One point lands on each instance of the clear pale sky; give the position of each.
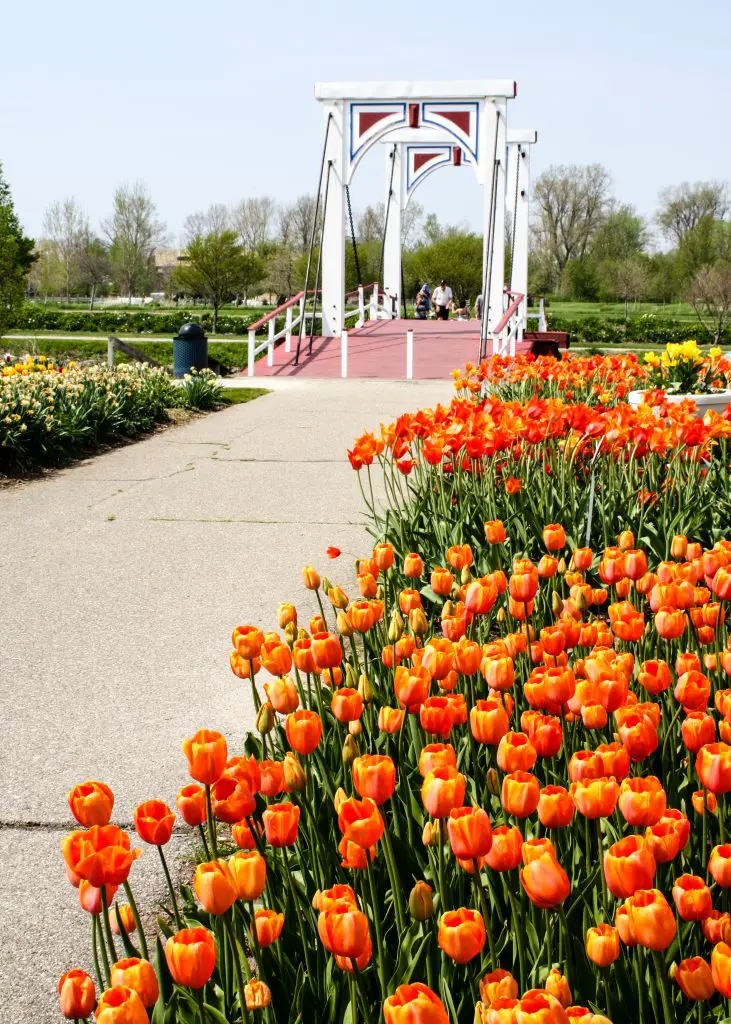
(212, 102)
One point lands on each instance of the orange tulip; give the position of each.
(438, 657)
(717, 927)
(639, 736)
(326, 650)
(206, 753)
(698, 730)
(654, 676)
(489, 721)
(651, 920)
(343, 929)
(595, 798)
(642, 800)
(302, 655)
(154, 822)
(695, 978)
(554, 537)
(495, 531)
(248, 641)
(125, 913)
(101, 855)
(281, 824)
(269, 925)
(360, 822)
(411, 686)
(304, 731)
(516, 753)
(282, 694)
(545, 732)
(443, 789)
(242, 835)
(539, 1007)
(90, 897)
(383, 556)
(374, 776)
(436, 755)
(586, 764)
(602, 945)
(461, 934)
(390, 720)
(191, 956)
(346, 705)
(138, 975)
(470, 833)
(191, 804)
(215, 886)
(354, 856)
(692, 898)
(120, 1006)
(713, 767)
(498, 984)
(544, 880)
(555, 807)
(615, 760)
(272, 781)
(91, 803)
(521, 792)
(414, 1004)
(436, 716)
(719, 865)
(232, 799)
(76, 994)
(703, 800)
(413, 566)
(557, 986)
(628, 867)
(498, 672)
(249, 870)
(506, 850)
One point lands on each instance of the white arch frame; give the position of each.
(360, 114)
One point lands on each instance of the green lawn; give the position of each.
(237, 396)
(615, 310)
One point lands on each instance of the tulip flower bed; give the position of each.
(489, 786)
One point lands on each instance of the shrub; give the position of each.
(645, 329)
(39, 318)
(200, 390)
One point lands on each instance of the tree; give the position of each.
(456, 258)
(17, 256)
(134, 233)
(371, 223)
(571, 203)
(302, 214)
(94, 267)
(216, 218)
(705, 243)
(710, 296)
(216, 266)
(65, 225)
(623, 235)
(683, 206)
(627, 279)
(46, 276)
(254, 219)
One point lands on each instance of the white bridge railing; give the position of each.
(292, 320)
(508, 332)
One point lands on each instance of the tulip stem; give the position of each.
(396, 889)
(363, 995)
(296, 911)
(205, 841)
(600, 857)
(518, 934)
(377, 922)
(96, 942)
(171, 888)
(721, 824)
(353, 1000)
(211, 823)
(704, 828)
(106, 925)
(201, 1005)
(661, 982)
(444, 905)
(569, 966)
(137, 920)
(485, 913)
(255, 937)
(237, 967)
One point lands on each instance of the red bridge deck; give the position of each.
(378, 350)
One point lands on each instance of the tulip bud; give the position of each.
(396, 627)
(265, 719)
(365, 688)
(343, 623)
(455, 594)
(350, 677)
(501, 616)
(493, 782)
(355, 728)
(294, 775)
(290, 634)
(465, 576)
(421, 904)
(312, 578)
(286, 614)
(316, 901)
(673, 969)
(556, 603)
(379, 592)
(418, 621)
(350, 750)
(338, 598)
(426, 834)
(302, 633)
(326, 584)
(340, 797)
(561, 566)
(447, 609)
(481, 1012)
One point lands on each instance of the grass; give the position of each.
(238, 396)
(615, 310)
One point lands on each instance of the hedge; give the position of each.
(36, 318)
(647, 329)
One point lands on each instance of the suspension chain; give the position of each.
(352, 235)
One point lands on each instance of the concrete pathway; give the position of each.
(120, 582)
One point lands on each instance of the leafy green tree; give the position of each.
(579, 279)
(17, 256)
(455, 258)
(622, 235)
(216, 267)
(683, 206)
(702, 246)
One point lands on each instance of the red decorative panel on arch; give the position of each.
(460, 119)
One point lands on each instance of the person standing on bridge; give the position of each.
(442, 298)
(422, 305)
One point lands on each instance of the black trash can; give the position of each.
(190, 350)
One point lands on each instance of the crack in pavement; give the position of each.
(70, 826)
(257, 522)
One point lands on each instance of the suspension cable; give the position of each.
(490, 230)
(312, 240)
(388, 207)
(491, 243)
(319, 257)
(403, 285)
(352, 236)
(515, 217)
